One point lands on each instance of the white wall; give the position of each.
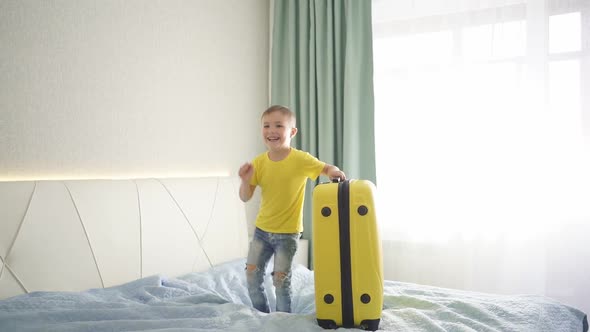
(130, 88)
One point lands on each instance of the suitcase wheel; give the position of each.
(327, 324)
(370, 324)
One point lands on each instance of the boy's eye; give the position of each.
(266, 126)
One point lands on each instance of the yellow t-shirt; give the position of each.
(283, 189)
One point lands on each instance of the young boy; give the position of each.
(282, 174)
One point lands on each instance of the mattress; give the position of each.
(217, 299)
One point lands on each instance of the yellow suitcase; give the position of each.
(348, 262)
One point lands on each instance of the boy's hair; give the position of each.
(284, 110)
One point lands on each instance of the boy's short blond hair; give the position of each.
(284, 110)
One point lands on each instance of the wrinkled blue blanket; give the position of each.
(218, 300)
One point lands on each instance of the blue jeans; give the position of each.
(262, 247)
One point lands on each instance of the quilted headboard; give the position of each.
(78, 234)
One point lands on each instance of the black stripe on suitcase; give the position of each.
(345, 262)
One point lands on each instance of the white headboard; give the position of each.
(78, 234)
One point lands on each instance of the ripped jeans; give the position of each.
(262, 247)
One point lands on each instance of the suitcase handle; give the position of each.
(336, 179)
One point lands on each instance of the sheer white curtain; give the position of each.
(483, 144)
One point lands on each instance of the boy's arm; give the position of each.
(333, 172)
(246, 189)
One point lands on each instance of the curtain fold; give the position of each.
(321, 68)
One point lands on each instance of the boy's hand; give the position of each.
(333, 172)
(246, 171)
(337, 174)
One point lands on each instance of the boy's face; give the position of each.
(277, 130)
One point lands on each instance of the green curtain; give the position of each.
(322, 68)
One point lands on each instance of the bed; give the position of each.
(168, 255)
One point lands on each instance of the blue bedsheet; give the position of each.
(218, 300)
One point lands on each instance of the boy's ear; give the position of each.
(293, 131)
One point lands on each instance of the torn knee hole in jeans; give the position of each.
(251, 268)
(279, 277)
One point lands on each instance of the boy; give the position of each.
(282, 174)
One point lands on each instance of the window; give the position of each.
(479, 129)
(482, 123)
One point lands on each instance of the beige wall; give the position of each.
(131, 88)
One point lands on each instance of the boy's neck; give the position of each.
(279, 154)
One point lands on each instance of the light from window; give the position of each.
(494, 41)
(473, 148)
(424, 48)
(564, 33)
